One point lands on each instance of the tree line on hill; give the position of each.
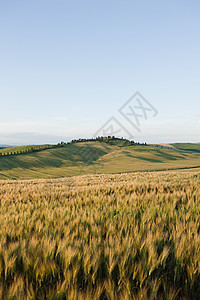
(112, 140)
(26, 149)
(107, 139)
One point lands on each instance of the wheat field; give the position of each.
(125, 236)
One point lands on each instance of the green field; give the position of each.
(9, 151)
(187, 147)
(96, 157)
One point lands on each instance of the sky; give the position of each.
(68, 67)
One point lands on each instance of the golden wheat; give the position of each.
(126, 236)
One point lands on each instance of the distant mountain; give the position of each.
(4, 146)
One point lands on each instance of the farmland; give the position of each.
(9, 151)
(125, 236)
(94, 158)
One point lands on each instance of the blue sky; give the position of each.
(66, 67)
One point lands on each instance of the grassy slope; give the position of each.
(187, 147)
(24, 149)
(96, 157)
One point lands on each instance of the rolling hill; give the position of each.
(97, 157)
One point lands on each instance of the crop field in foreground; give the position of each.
(125, 236)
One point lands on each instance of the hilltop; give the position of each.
(95, 156)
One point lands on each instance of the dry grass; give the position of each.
(128, 236)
